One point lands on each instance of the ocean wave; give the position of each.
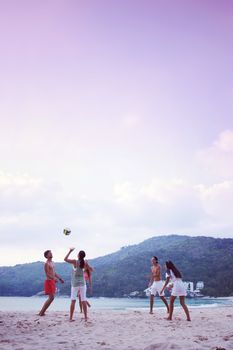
(205, 305)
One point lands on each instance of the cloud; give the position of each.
(176, 206)
(21, 193)
(218, 201)
(29, 204)
(225, 141)
(159, 205)
(34, 211)
(217, 160)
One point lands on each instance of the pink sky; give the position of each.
(116, 120)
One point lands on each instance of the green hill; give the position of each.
(198, 258)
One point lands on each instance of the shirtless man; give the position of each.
(50, 282)
(156, 284)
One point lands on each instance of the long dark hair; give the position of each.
(81, 256)
(171, 266)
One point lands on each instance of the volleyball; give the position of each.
(67, 231)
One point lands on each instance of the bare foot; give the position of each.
(151, 312)
(88, 321)
(71, 320)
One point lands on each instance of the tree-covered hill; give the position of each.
(198, 258)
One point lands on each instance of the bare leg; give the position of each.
(171, 307)
(72, 307)
(46, 304)
(80, 303)
(85, 309)
(165, 302)
(184, 306)
(151, 303)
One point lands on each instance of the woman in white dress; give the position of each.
(174, 276)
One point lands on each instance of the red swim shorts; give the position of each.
(49, 287)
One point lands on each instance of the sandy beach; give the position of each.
(134, 329)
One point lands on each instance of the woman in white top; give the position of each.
(178, 289)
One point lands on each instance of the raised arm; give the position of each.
(66, 258)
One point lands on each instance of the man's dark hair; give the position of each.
(46, 253)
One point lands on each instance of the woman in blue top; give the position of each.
(78, 283)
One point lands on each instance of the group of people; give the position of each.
(173, 282)
(82, 272)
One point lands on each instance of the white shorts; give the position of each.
(178, 289)
(81, 290)
(156, 287)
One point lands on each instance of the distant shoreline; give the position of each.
(61, 303)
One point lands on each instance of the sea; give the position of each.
(62, 303)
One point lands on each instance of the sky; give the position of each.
(116, 122)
